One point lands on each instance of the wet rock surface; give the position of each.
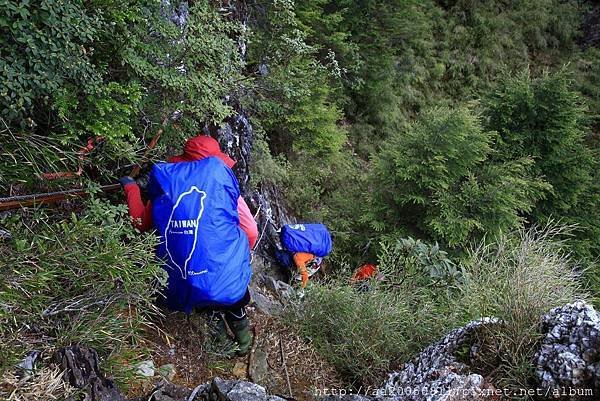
(569, 356)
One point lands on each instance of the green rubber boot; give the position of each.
(217, 328)
(222, 344)
(243, 336)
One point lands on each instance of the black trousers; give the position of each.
(232, 313)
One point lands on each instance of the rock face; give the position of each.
(217, 390)
(235, 136)
(569, 357)
(435, 374)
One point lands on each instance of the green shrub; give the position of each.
(44, 45)
(295, 101)
(588, 83)
(363, 333)
(74, 70)
(417, 54)
(544, 118)
(88, 279)
(265, 168)
(438, 179)
(592, 280)
(433, 261)
(517, 279)
(189, 69)
(360, 334)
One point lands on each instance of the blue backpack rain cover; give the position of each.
(206, 253)
(311, 238)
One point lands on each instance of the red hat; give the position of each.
(199, 147)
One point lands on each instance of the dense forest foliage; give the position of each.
(456, 119)
(444, 120)
(450, 122)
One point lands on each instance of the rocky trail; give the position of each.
(181, 352)
(284, 366)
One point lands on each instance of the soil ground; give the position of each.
(293, 367)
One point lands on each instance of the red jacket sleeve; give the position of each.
(247, 222)
(140, 214)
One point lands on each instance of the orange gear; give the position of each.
(364, 272)
(301, 259)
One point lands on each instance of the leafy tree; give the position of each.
(75, 70)
(542, 118)
(324, 23)
(423, 53)
(588, 83)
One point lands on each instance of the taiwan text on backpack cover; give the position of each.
(310, 238)
(205, 252)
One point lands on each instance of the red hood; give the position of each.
(198, 148)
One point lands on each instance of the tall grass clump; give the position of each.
(592, 280)
(420, 295)
(78, 279)
(518, 278)
(365, 330)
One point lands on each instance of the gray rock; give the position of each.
(265, 304)
(283, 290)
(237, 390)
(436, 375)
(160, 396)
(259, 368)
(570, 360)
(5, 235)
(29, 361)
(145, 368)
(221, 386)
(263, 70)
(245, 391)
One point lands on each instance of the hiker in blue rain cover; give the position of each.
(206, 231)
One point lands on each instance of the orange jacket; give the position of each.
(301, 259)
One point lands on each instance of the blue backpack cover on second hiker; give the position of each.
(311, 238)
(206, 253)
